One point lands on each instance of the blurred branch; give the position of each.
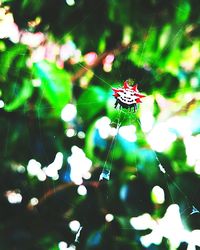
(60, 188)
(99, 60)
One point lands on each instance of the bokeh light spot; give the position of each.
(158, 195)
(82, 190)
(74, 225)
(109, 217)
(70, 2)
(68, 113)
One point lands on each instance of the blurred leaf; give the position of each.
(182, 12)
(126, 150)
(179, 160)
(7, 58)
(102, 42)
(190, 56)
(173, 61)
(112, 113)
(147, 164)
(2, 46)
(164, 36)
(56, 84)
(29, 5)
(91, 102)
(89, 145)
(24, 93)
(146, 52)
(168, 84)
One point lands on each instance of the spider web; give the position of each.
(188, 208)
(106, 173)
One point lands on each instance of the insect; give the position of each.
(127, 96)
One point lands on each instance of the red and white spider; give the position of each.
(127, 96)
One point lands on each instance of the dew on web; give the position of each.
(105, 175)
(78, 234)
(162, 168)
(194, 210)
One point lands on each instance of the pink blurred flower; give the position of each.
(33, 40)
(90, 58)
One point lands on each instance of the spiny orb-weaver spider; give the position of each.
(127, 96)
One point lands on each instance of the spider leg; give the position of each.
(116, 104)
(135, 107)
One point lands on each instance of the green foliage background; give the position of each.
(156, 43)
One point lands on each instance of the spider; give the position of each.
(127, 96)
